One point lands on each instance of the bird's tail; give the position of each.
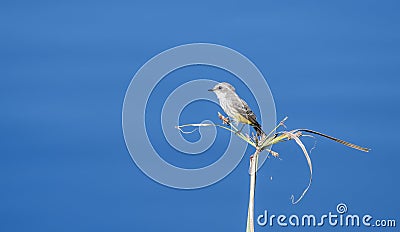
(257, 128)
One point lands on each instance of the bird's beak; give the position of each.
(212, 90)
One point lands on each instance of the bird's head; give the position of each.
(222, 89)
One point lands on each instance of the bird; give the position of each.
(235, 107)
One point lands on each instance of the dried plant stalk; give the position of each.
(250, 211)
(263, 144)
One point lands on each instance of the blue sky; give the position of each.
(332, 66)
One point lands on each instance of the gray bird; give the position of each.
(235, 107)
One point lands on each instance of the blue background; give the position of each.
(332, 66)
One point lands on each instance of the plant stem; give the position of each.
(253, 173)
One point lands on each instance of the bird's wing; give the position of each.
(245, 111)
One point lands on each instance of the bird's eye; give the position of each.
(219, 87)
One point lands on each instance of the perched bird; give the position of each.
(235, 107)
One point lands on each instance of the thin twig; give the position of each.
(336, 140)
(295, 135)
(240, 135)
(281, 123)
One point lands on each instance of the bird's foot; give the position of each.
(225, 120)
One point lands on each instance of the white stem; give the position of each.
(253, 172)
